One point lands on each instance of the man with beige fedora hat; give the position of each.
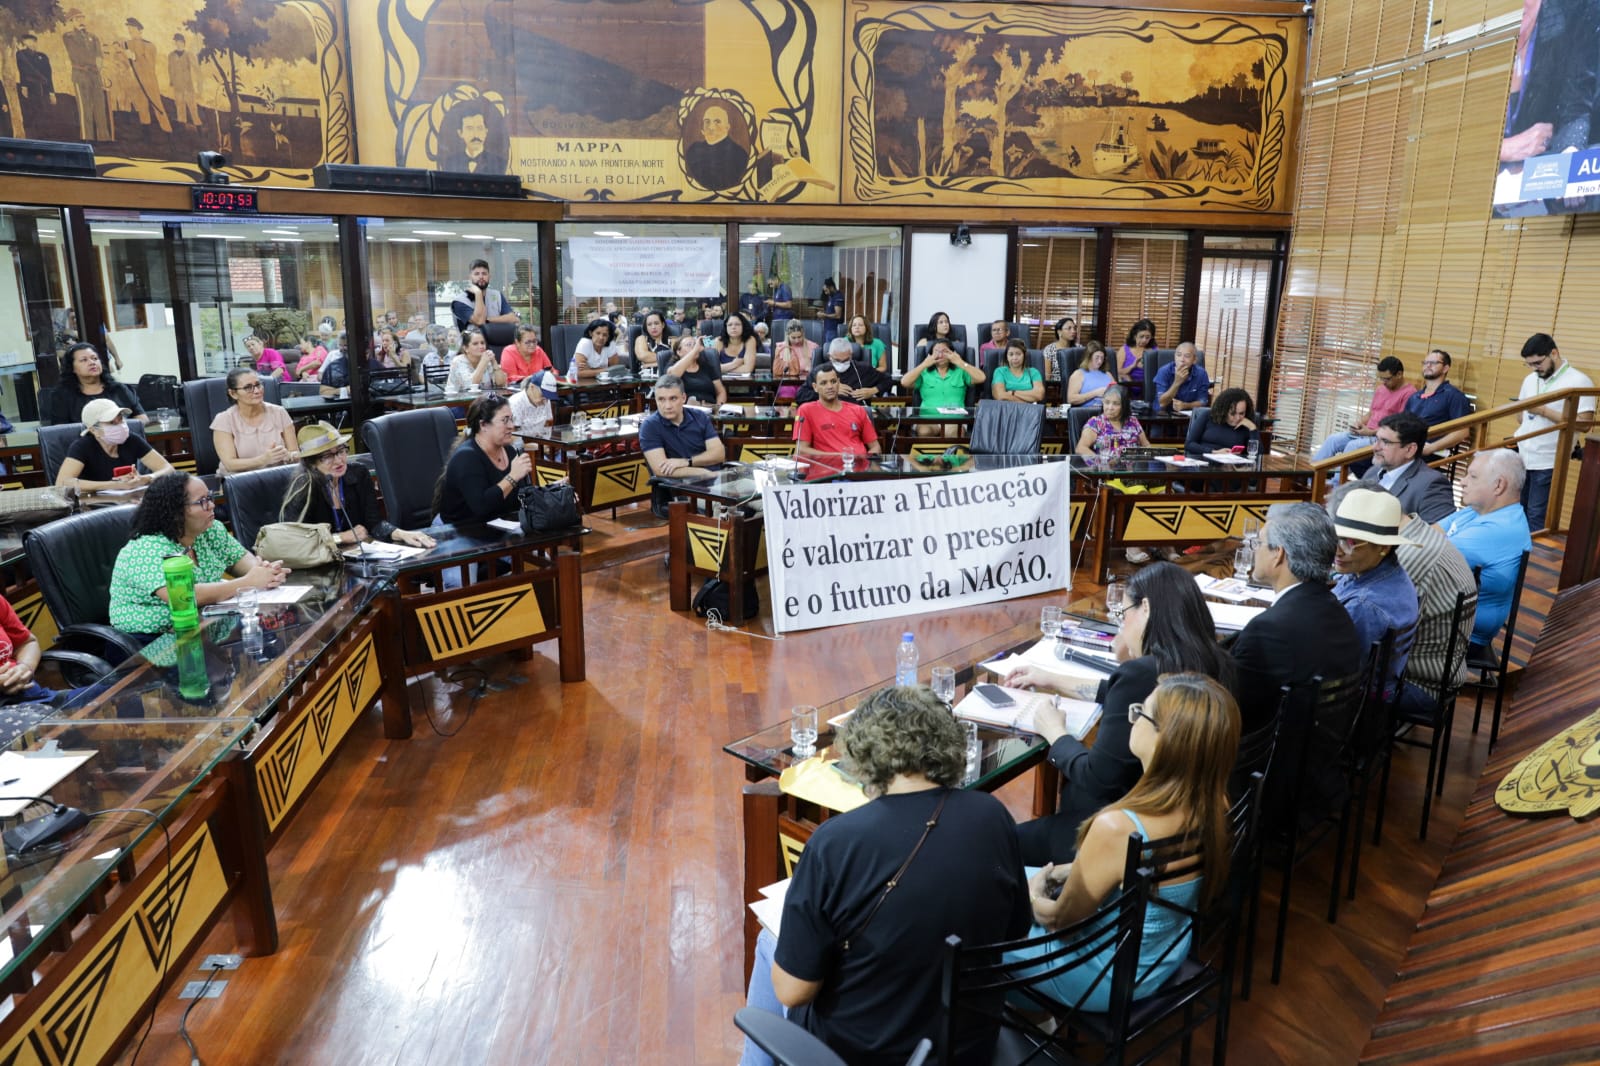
(1369, 581)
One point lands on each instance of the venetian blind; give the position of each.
(1147, 281)
(1056, 279)
(1233, 318)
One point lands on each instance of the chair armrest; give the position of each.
(98, 639)
(75, 668)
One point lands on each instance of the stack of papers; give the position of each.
(731, 409)
(1233, 590)
(1080, 715)
(1231, 617)
(952, 410)
(1086, 665)
(1181, 460)
(383, 551)
(1229, 459)
(769, 908)
(270, 597)
(34, 774)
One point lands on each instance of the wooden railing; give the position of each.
(1571, 430)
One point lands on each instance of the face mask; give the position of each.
(115, 434)
(840, 366)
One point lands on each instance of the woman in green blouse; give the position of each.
(1015, 379)
(872, 349)
(176, 518)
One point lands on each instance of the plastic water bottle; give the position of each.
(905, 661)
(178, 573)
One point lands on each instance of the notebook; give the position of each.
(1080, 715)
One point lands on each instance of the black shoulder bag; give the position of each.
(548, 508)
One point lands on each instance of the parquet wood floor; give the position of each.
(558, 882)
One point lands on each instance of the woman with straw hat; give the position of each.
(327, 489)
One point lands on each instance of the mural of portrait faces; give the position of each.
(716, 146)
(473, 138)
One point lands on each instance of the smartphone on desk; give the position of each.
(994, 696)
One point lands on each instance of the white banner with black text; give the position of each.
(854, 551)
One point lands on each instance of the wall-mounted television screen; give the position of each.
(1550, 146)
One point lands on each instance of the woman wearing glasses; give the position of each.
(1165, 629)
(251, 433)
(176, 517)
(487, 469)
(326, 489)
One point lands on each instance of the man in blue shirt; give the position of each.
(780, 304)
(1491, 531)
(1438, 402)
(1181, 384)
(678, 437)
(1371, 583)
(832, 310)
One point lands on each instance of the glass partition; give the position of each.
(1056, 280)
(630, 268)
(417, 268)
(859, 263)
(36, 316)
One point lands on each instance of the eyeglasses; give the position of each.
(1136, 711)
(1433, 362)
(254, 386)
(1386, 442)
(340, 452)
(205, 503)
(508, 421)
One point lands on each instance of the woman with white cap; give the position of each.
(106, 446)
(327, 489)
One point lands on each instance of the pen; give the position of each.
(9, 781)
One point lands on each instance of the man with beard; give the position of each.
(1439, 402)
(1549, 373)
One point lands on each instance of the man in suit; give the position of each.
(36, 89)
(1307, 632)
(88, 82)
(1397, 465)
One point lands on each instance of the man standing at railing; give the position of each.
(1550, 373)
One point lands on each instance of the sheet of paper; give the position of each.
(952, 410)
(272, 597)
(1080, 715)
(1229, 459)
(769, 908)
(1231, 616)
(1181, 460)
(382, 550)
(1233, 590)
(778, 462)
(118, 492)
(776, 889)
(23, 776)
(510, 525)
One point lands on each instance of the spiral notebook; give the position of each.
(1081, 715)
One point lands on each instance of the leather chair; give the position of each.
(255, 498)
(157, 391)
(1004, 428)
(564, 339)
(992, 362)
(204, 400)
(46, 400)
(409, 450)
(957, 333)
(1067, 360)
(1154, 360)
(55, 441)
(72, 559)
(1014, 329)
(1077, 418)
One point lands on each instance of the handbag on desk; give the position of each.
(31, 507)
(298, 545)
(547, 508)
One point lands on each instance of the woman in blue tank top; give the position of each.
(1186, 735)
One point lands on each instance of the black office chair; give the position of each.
(1154, 360)
(564, 338)
(204, 400)
(1005, 428)
(254, 499)
(790, 1045)
(1077, 419)
(46, 400)
(1066, 360)
(409, 450)
(72, 559)
(55, 441)
(1493, 669)
(995, 360)
(156, 391)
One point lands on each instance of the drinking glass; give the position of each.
(944, 683)
(580, 422)
(974, 750)
(1050, 621)
(849, 461)
(1252, 449)
(1244, 560)
(249, 604)
(1115, 598)
(1252, 531)
(803, 731)
(165, 417)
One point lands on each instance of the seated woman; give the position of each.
(941, 379)
(327, 489)
(385, 351)
(487, 469)
(1066, 337)
(653, 346)
(1165, 629)
(474, 366)
(176, 517)
(857, 965)
(312, 356)
(1130, 360)
(1089, 382)
(1229, 424)
(1111, 431)
(595, 351)
(1185, 736)
(1014, 379)
(873, 351)
(791, 362)
(696, 365)
(737, 345)
(84, 378)
(106, 444)
(251, 433)
(530, 407)
(267, 361)
(938, 327)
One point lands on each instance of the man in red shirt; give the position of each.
(524, 357)
(829, 425)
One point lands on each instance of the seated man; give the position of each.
(859, 381)
(677, 438)
(829, 425)
(1372, 584)
(1306, 633)
(1491, 531)
(1387, 399)
(1437, 403)
(525, 357)
(1398, 466)
(1182, 385)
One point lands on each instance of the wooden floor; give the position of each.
(559, 881)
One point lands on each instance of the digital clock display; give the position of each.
(225, 200)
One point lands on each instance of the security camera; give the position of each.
(1308, 8)
(961, 236)
(210, 165)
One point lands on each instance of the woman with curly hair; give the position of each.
(85, 377)
(737, 345)
(176, 517)
(858, 965)
(1229, 424)
(1185, 735)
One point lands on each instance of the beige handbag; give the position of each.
(298, 545)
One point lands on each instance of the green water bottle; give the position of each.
(194, 683)
(178, 571)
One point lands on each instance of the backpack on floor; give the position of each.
(713, 596)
